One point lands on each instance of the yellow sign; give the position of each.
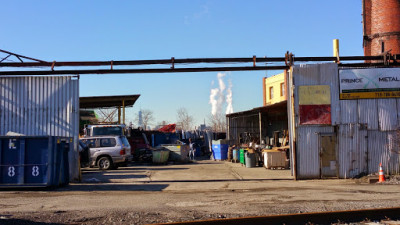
(360, 95)
(315, 95)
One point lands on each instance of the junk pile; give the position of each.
(163, 146)
(272, 153)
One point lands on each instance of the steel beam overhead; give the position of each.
(260, 63)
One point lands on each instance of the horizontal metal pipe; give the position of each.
(123, 71)
(188, 60)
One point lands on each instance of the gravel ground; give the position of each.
(174, 193)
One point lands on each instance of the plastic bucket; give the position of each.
(241, 157)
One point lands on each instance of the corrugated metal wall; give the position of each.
(307, 154)
(352, 150)
(386, 114)
(366, 128)
(42, 105)
(368, 113)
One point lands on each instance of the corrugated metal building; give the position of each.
(42, 106)
(257, 124)
(343, 131)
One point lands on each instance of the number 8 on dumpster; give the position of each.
(35, 171)
(11, 171)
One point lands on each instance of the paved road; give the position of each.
(200, 190)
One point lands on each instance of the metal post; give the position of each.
(260, 123)
(123, 110)
(119, 115)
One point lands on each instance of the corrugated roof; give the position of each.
(278, 107)
(107, 101)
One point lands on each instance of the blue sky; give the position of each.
(130, 30)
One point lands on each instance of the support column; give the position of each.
(260, 123)
(119, 115)
(123, 110)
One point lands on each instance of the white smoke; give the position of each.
(229, 98)
(217, 96)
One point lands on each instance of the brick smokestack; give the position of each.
(381, 26)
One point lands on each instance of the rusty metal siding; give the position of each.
(393, 152)
(352, 150)
(39, 105)
(329, 75)
(365, 134)
(308, 154)
(398, 113)
(382, 149)
(387, 115)
(377, 149)
(319, 74)
(348, 111)
(368, 113)
(307, 137)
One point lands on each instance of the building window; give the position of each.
(271, 92)
(282, 89)
(382, 47)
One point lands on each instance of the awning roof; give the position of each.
(107, 101)
(275, 108)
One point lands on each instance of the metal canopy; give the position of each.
(107, 101)
(274, 108)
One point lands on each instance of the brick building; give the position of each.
(381, 26)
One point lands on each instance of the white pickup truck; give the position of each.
(104, 129)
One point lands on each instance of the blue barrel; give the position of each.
(236, 155)
(33, 161)
(220, 151)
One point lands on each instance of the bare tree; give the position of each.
(218, 122)
(184, 120)
(147, 118)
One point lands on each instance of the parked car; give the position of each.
(84, 154)
(108, 152)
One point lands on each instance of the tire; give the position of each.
(105, 163)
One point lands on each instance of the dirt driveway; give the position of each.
(141, 194)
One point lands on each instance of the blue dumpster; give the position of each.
(38, 161)
(220, 151)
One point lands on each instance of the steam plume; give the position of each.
(229, 106)
(217, 98)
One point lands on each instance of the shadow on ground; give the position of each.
(114, 187)
(7, 221)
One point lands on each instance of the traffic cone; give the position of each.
(381, 174)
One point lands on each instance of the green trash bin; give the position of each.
(160, 156)
(242, 159)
